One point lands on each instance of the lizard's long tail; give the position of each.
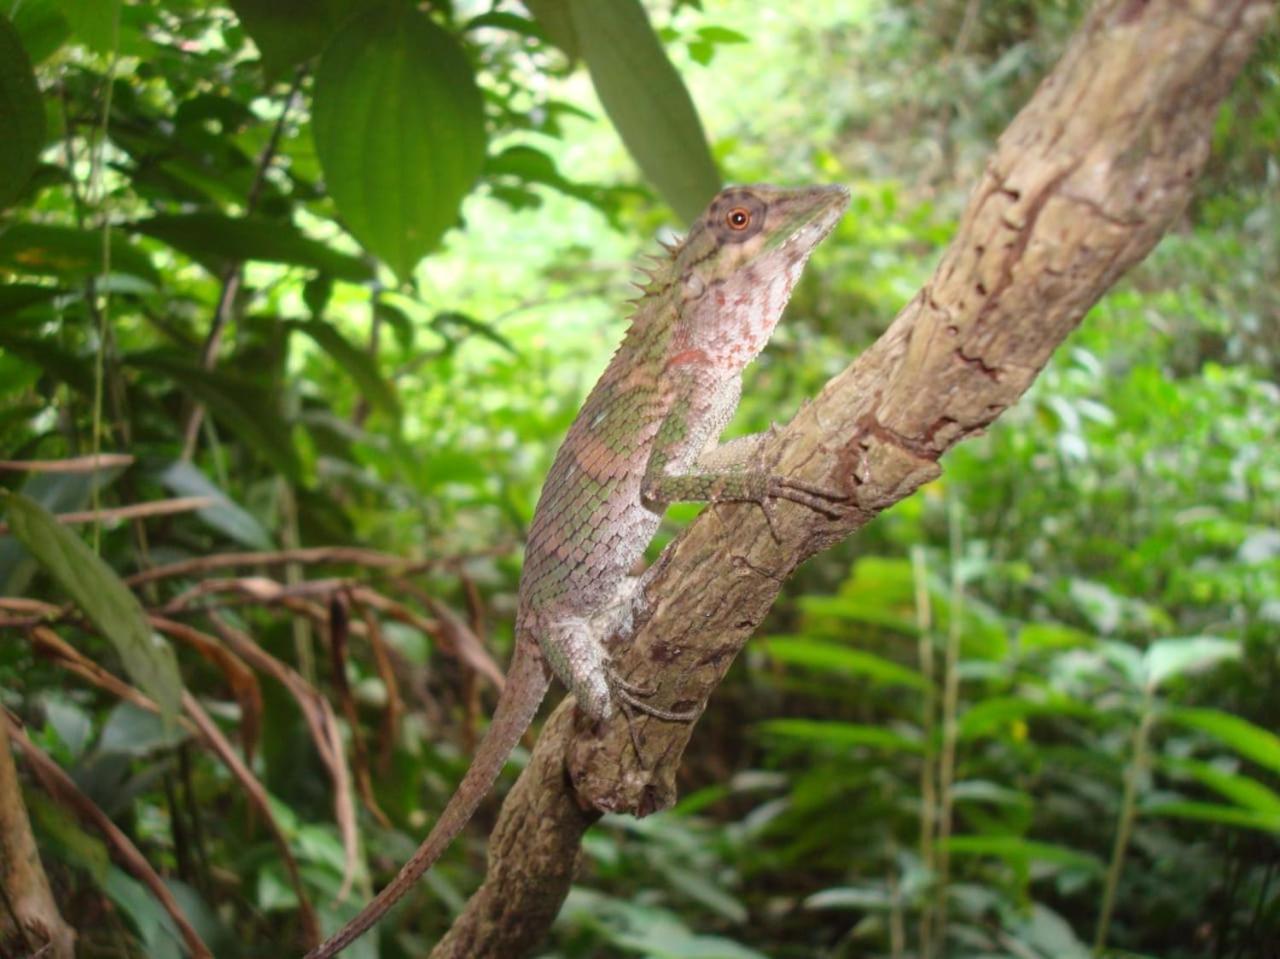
(528, 679)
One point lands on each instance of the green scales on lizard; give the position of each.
(647, 436)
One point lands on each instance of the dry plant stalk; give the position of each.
(29, 917)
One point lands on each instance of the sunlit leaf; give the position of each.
(399, 129)
(841, 734)
(1215, 813)
(1173, 657)
(1250, 741)
(869, 896)
(106, 601)
(647, 101)
(40, 249)
(1017, 849)
(21, 116)
(840, 659)
(95, 23)
(1242, 790)
(988, 714)
(215, 241)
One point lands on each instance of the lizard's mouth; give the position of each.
(815, 214)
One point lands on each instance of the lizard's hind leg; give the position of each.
(579, 658)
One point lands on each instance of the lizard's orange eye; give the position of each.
(739, 218)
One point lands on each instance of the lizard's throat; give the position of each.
(749, 313)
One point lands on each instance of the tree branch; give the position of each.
(1080, 187)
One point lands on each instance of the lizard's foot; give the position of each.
(630, 694)
(797, 491)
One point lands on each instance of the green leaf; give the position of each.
(42, 26)
(215, 241)
(836, 658)
(647, 102)
(359, 364)
(53, 360)
(1242, 790)
(1017, 849)
(105, 600)
(66, 252)
(21, 116)
(61, 834)
(96, 23)
(244, 407)
(133, 731)
(988, 714)
(290, 32)
(1253, 742)
(18, 296)
(1215, 812)
(556, 20)
(399, 130)
(227, 516)
(1172, 657)
(841, 734)
(864, 897)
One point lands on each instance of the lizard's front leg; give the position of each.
(735, 471)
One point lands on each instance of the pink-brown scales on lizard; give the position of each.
(647, 436)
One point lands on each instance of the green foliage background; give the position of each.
(1029, 712)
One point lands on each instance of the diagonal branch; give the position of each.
(1080, 187)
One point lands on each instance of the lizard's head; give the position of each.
(741, 259)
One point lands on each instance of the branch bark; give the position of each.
(30, 922)
(1080, 187)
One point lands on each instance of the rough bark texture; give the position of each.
(1081, 186)
(29, 918)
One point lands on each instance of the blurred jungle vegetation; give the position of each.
(344, 271)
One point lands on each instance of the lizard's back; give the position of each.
(591, 525)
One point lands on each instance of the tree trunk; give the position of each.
(29, 918)
(1080, 187)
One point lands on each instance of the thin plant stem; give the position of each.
(103, 309)
(928, 724)
(950, 706)
(1124, 828)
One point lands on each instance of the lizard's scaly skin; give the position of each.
(645, 437)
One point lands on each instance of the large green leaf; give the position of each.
(647, 101)
(399, 130)
(290, 32)
(842, 735)
(225, 515)
(1166, 658)
(358, 364)
(21, 116)
(1016, 849)
(108, 604)
(1260, 745)
(1219, 813)
(215, 240)
(241, 405)
(95, 22)
(840, 660)
(66, 252)
(556, 20)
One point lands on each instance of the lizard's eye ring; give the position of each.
(739, 218)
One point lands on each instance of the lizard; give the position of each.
(646, 436)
